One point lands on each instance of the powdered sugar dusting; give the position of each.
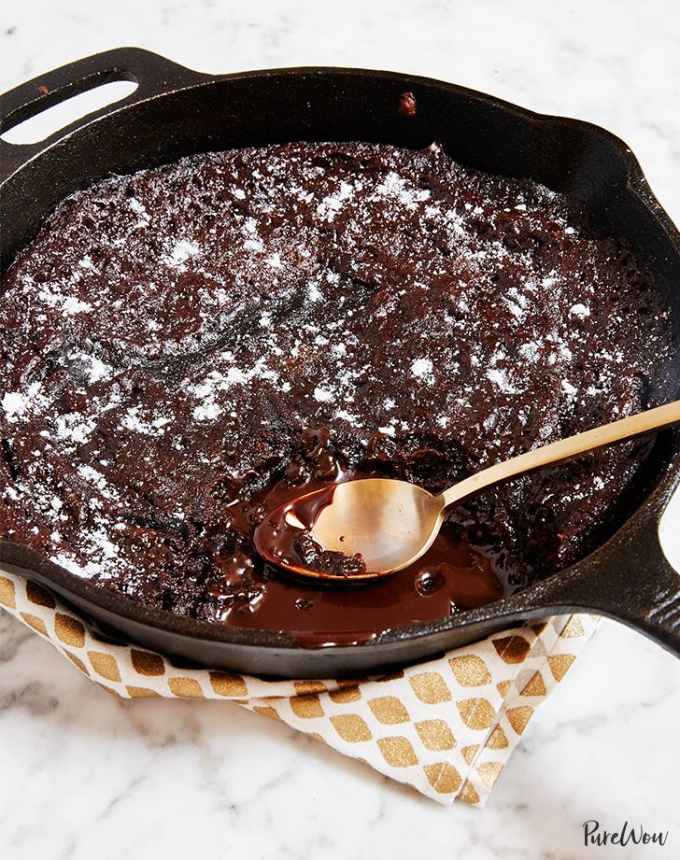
(181, 251)
(172, 333)
(421, 368)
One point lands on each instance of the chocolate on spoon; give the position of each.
(373, 527)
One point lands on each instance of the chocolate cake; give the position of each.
(187, 347)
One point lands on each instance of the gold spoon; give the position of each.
(391, 524)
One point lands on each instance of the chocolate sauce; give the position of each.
(457, 575)
(279, 540)
(453, 575)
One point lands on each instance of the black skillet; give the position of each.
(174, 112)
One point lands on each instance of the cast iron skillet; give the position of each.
(175, 112)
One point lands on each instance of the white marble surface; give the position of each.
(84, 775)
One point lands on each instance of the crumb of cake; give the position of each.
(316, 558)
(408, 106)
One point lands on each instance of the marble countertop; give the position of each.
(83, 774)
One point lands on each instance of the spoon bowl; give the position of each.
(389, 523)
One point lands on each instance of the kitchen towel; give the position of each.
(446, 726)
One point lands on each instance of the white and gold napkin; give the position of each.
(447, 726)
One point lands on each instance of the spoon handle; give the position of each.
(565, 449)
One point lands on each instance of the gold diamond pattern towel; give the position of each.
(446, 726)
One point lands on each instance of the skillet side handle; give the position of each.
(153, 74)
(633, 582)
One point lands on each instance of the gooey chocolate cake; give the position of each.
(187, 347)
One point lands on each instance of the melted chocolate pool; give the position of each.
(452, 575)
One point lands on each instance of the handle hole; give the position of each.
(669, 535)
(41, 125)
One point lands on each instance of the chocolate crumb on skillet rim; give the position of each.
(175, 113)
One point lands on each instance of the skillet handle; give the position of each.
(153, 74)
(633, 582)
